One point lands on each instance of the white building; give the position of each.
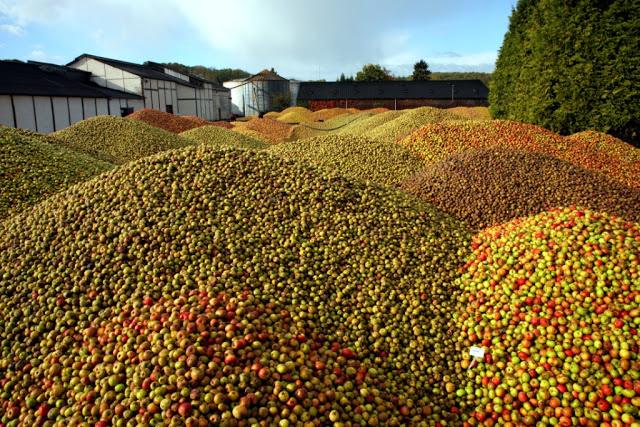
(161, 88)
(46, 97)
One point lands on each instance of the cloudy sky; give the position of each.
(301, 39)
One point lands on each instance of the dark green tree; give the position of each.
(373, 73)
(343, 78)
(421, 71)
(570, 66)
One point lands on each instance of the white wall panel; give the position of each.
(187, 107)
(44, 114)
(89, 105)
(102, 107)
(185, 91)
(60, 113)
(137, 104)
(6, 111)
(75, 110)
(25, 116)
(114, 106)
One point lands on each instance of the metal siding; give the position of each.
(6, 111)
(187, 107)
(155, 102)
(102, 107)
(44, 114)
(184, 91)
(25, 114)
(75, 110)
(60, 112)
(163, 96)
(89, 105)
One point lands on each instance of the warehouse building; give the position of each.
(161, 88)
(46, 97)
(393, 94)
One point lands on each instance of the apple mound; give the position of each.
(119, 140)
(409, 121)
(475, 113)
(615, 159)
(369, 123)
(267, 130)
(486, 187)
(34, 166)
(171, 122)
(329, 113)
(384, 163)
(554, 300)
(203, 286)
(334, 126)
(220, 137)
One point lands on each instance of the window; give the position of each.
(125, 111)
(169, 108)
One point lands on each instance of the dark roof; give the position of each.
(197, 80)
(40, 79)
(265, 75)
(431, 89)
(138, 70)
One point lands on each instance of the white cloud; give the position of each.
(41, 11)
(338, 35)
(12, 29)
(37, 55)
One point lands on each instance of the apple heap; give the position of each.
(220, 137)
(34, 166)
(384, 163)
(490, 186)
(409, 121)
(267, 130)
(614, 156)
(204, 287)
(171, 122)
(554, 299)
(119, 140)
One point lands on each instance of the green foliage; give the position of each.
(343, 78)
(212, 74)
(483, 77)
(281, 101)
(373, 73)
(302, 103)
(570, 66)
(421, 71)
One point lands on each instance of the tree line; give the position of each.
(375, 72)
(571, 65)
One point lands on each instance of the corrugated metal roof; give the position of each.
(192, 77)
(41, 79)
(429, 89)
(138, 70)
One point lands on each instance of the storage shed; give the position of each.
(255, 94)
(162, 88)
(46, 97)
(393, 94)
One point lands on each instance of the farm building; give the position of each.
(393, 94)
(255, 94)
(47, 97)
(161, 88)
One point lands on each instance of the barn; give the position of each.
(160, 87)
(47, 97)
(393, 94)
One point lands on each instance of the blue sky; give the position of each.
(301, 39)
